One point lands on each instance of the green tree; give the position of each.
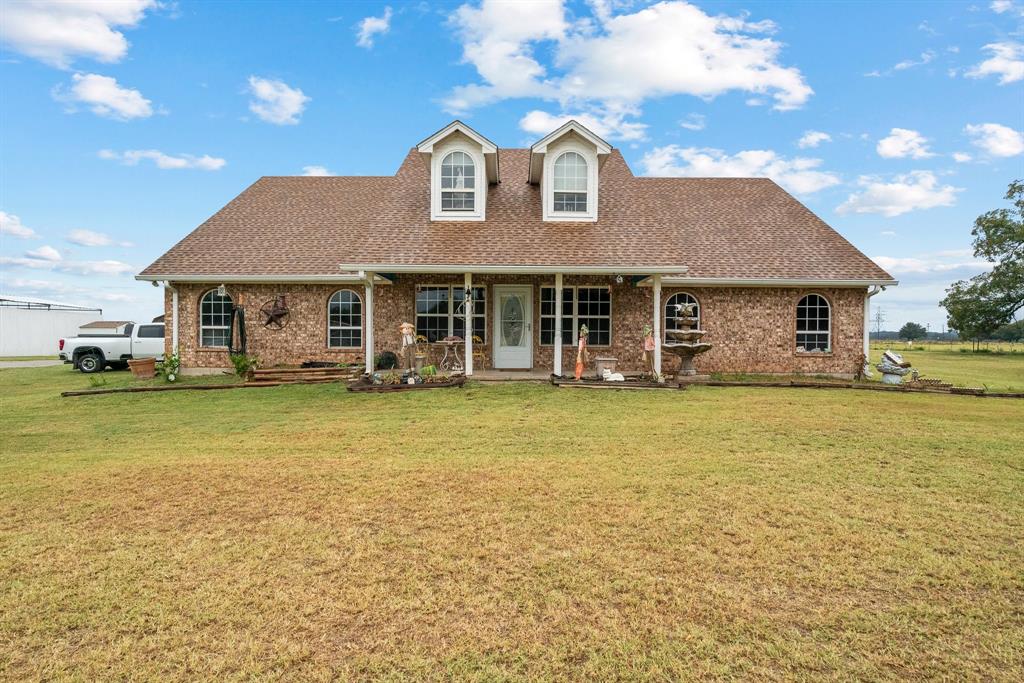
(913, 331)
(977, 307)
(1013, 332)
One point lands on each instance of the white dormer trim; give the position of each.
(458, 137)
(569, 137)
(589, 155)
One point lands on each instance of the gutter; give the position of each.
(511, 270)
(673, 280)
(874, 289)
(258, 279)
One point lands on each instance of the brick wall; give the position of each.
(751, 329)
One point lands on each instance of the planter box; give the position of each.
(143, 368)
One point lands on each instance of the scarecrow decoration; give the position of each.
(648, 335)
(408, 333)
(582, 355)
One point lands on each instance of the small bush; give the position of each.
(244, 363)
(385, 360)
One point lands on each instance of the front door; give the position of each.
(513, 326)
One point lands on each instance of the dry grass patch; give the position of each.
(508, 532)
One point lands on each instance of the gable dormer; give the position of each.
(463, 164)
(566, 165)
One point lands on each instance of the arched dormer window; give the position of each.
(570, 183)
(670, 309)
(215, 319)
(813, 324)
(344, 320)
(458, 182)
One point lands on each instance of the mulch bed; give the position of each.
(364, 384)
(592, 383)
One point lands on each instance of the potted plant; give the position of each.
(143, 368)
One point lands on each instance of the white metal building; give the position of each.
(31, 327)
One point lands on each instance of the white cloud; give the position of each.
(997, 140)
(45, 253)
(12, 225)
(799, 174)
(276, 102)
(1007, 62)
(618, 60)
(105, 267)
(607, 124)
(694, 122)
(888, 233)
(926, 57)
(105, 97)
(908, 192)
(316, 171)
(935, 262)
(370, 27)
(961, 157)
(1004, 6)
(58, 31)
(813, 138)
(88, 238)
(132, 157)
(902, 143)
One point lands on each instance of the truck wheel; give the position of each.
(90, 363)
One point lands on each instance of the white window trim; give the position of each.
(451, 308)
(212, 327)
(576, 314)
(479, 181)
(700, 310)
(359, 327)
(796, 323)
(589, 155)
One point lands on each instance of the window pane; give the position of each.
(214, 319)
(570, 173)
(813, 323)
(570, 201)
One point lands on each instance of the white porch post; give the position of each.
(657, 324)
(469, 324)
(368, 310)
(558, 326)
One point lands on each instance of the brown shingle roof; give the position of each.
(717, 227)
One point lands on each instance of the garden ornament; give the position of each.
(648, 335)
(582, 355)
(408, 332)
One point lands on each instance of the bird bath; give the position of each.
(685, 341)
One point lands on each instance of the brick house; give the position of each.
(516, 235)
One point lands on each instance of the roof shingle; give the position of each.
(742, 228)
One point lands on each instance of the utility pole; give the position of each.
(879, 319)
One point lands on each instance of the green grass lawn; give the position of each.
(508, 532)
(998, 370)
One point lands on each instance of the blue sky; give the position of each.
(123, 126)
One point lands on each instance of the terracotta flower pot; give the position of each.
(143, 368)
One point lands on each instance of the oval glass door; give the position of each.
(513, 320)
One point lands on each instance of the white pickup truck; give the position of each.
(94, 352)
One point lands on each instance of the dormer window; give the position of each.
(463, 165)
(570, 183)
(458, 182)
(566, 164)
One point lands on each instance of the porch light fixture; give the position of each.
(222, 290)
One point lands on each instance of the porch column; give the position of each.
(558, 326)
(657, 324)
(368, 316)
(470, 305)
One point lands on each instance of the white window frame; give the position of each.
(589, 155)
(554, 182)
(331, 328)
(575, 317)
(479, 182)
(668, 302)
(203, 327)
(451, 309)
(796, 325)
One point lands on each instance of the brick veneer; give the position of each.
(750, 329)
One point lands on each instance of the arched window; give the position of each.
(670, 309)
(813, 324)
(344, 320)
(570, 183)
(215, 319)
(458, 182)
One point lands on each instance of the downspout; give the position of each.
(872, 290)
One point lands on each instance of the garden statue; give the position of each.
(408, 332)
(582, 356)
(648, 335)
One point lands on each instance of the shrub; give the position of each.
(244, 363)
(385, 360)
